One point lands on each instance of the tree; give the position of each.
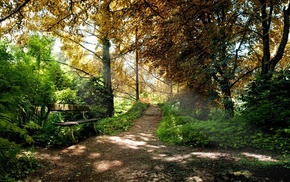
(271, 12)
(211, 47)
(100, 21)
(196, 45)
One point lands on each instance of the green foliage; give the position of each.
(53, 136)
(86, 92)
(66, 96)
(122, 105)
(94, 93)
(267, 101)
(120, 123)
(32, 128)
(235, 133)
(57, 136)
(15, 164)
(29, 77)
(12, 132)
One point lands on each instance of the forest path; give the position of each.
(135, 155)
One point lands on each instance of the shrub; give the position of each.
(14, 133)
(267, 101)
(15, 164)
(236, 133)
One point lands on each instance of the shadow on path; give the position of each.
(135, 155)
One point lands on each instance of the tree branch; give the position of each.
(154, 10)
(78, 43)
(284, 39)
(78, 69)
(244, 75)
(15, 11)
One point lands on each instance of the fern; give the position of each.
(6, 125)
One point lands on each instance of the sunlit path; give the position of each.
(138, 155)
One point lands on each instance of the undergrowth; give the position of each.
(236, 133)
(122, 122)
(15, 162)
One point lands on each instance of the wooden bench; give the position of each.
(75, 108)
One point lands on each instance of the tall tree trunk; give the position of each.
(137, 67)
(266, 23)
(107, 76)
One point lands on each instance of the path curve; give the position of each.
(135, 155)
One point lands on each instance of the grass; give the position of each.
(236, 133)
(122, 122)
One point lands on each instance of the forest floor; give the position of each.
(138, 155)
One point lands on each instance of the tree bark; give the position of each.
(227, 98)
(266, 38)
(137, 67)
(106, 59)
(268, 64)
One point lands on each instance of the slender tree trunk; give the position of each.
(227, 98)
(226, 76)
(107, 76)
(137, 67)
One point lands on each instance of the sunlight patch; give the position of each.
(141, 136)
(194, 178)
(210, 155)
(147, 137)
(128, 143)
(263, 158)
(105, 165)
(50, 157)
(75, 149)
(165, 157)
(94, 155)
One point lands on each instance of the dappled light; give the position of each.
(102, 166)
(210, 155)
(196, 178)
(71, 70)
(94, 155)
(50, 157)
(75, 150)
(138, 155)
(127, 143)
(259, 157)
(173, 158)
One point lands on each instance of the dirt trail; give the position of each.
(135, 155)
